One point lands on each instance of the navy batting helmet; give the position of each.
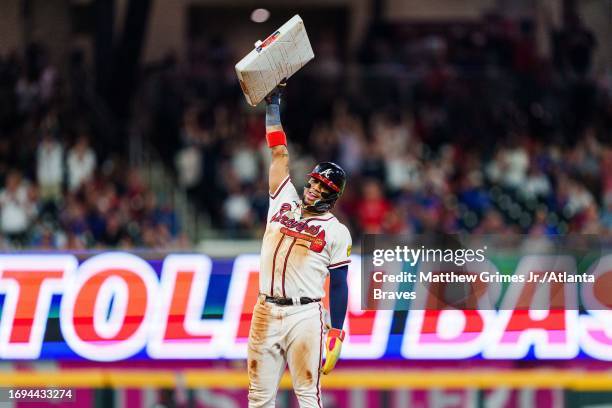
(332, 176)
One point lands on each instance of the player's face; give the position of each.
(315, 191)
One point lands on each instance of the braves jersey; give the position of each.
(297, 253)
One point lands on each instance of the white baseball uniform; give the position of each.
(296, 256)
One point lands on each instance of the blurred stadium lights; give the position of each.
(260, 15)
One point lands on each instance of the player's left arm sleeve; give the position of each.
(338, 295)
(338, 298)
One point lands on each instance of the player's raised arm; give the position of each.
(277, 141)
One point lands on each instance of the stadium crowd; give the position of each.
(454, 129)
(56, 190)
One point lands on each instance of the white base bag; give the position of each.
(278, 57)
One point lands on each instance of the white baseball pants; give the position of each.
(282, 335)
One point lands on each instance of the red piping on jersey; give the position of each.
(337, 264)
(320, 355)
(285, 265)
(278, 190)
(274, 264)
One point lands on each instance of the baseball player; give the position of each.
(303, 243)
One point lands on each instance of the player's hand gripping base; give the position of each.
(274, 97)
(333, 346)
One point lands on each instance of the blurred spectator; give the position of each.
(403, 173)
(514, 165)
(244, 162)
(536, 184)
(492, 223)
(373, 208)
(50, 167)
(351, 139)
(472, 193)
(17, 209)
(189, 165)
(373, 163)
(114, 231)
(542, 225)
(237, 207)
(188, 160)
(81, 163)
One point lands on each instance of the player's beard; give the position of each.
(305, 197)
